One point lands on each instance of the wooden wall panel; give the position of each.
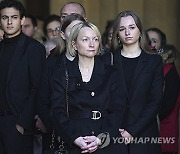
(164, 14)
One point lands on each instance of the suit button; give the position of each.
(92, 93)
(78, 84)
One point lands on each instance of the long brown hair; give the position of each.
(142, 39)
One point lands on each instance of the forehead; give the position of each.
(71, 8)
(53, 24)
(153, 34)
(9, 11)
(27, 21)
(87, 31)
(128, 20)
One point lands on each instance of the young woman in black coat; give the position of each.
(141, 80)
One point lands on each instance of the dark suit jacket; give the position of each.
(143, 100)
(100, 93)
(52, 63)
(23, 79)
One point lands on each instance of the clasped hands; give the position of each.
(88, 144)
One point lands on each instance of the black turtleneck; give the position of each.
(7, 48)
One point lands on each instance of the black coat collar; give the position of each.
(139, 67)
(96, 78)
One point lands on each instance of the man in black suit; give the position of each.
(21, 63)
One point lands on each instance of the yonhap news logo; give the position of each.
(144, 140)
(105, 139)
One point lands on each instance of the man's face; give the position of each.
(70, 9)
(11, 22)
(28, 28)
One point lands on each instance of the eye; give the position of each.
(153, 40)
(49, 31)
(121, 29)
(84, 39)
(62, 17)
(4, 17)
(14, 17)
(96, 39)
(132, 27)
(27, 26)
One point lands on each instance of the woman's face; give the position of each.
(128, 31)
(68, 29)
(53, 29)
(87, 43)
(155, 40)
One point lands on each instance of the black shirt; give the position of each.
(129, 65)
(7, 48)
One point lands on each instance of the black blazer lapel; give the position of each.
(98, 74)
(118, 65)
(96, 78)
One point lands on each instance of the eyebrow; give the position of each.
(129, 25)
(64, 14)
(9, 16)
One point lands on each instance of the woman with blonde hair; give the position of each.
(93, 103)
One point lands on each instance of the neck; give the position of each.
(86, 66)
(86, 63)
(131, 52)
(13, 35)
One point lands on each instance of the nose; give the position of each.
(91, 43)
(54, 32)
(9, 21)
(127, 31)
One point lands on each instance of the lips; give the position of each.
(9, 28)
(128, 38)
(91, 50)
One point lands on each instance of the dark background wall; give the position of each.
(163, 14)
(38, 8)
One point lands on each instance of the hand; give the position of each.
(80, 142)
(20, 129)
(39, 124)
(128, 137)
(93, 143)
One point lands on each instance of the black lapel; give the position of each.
(118, 65)
(96, 78)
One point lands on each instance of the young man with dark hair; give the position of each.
(21, 64)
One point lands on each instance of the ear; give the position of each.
(74, 45)
(22, 20)
(62, 35)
